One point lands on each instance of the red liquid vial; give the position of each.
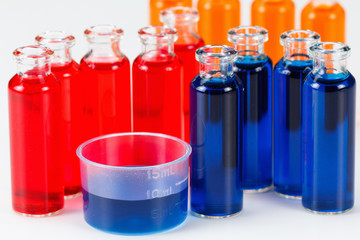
(67, 72)
(184, 20)
(35, 130)
(157, 79)
(105, 73)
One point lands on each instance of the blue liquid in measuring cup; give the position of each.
(135, 217)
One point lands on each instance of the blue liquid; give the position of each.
(328, 142)
(216, 130)
(256, 76)
(135, 217)
(288, 81)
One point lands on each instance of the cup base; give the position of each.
(121, 233)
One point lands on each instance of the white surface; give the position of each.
(265, 216)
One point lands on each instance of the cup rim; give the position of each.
(185, 156)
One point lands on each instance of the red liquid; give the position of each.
(36, 167)
(158, 95)
(107, 96)
(186, 53)
(72, 117)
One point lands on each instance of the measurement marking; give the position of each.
(178, 183)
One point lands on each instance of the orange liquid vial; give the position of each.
(157, 5)
(216, 18)
(277, 16)
(326, 17)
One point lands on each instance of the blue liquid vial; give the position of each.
(216, 123)
(328, 118)
(289, 76)
(254, 68)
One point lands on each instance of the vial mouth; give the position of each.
(103, 33)
(157, 34)
(55, 40)
(306, 37)
(330, 51)
(248, 35)
(179, 16)
(215, 54)
(33, 55)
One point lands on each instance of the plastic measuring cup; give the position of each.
(134, 183)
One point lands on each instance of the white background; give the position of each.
(265, 216)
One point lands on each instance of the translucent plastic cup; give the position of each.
(134, 183)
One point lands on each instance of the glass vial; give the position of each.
(184, 19)
(328, 117)
(105, 72)
(216, 113)
(67, 72)
(289, 75)
(155, 6)
(216, 18)
(158, 83)
(35, 134)
(254, 68)
(327, 17)
(277, 16)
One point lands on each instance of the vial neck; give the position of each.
(186, 31)
(62, 57)
(297, 53)
(250, 51)
(108, 50)
(330, 69)
(158, 50)
(33, 72)
(221, 71)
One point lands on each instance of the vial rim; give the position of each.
(227, 54)
(286, 38)
(94, 34)
(234, 34)
(342, 50)
(45, 54)
(185, 156)
(165, 32)
(49, 37)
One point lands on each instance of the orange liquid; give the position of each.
(157, 5)
(277, 16)
(326, 19)
(216, 18)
